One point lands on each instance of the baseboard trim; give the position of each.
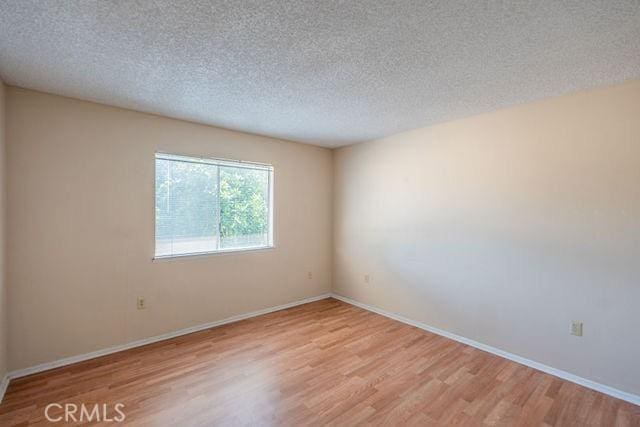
(3, 386)
(619, 394)
(138, 343)
(628, 397)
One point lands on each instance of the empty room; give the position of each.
(291, 213)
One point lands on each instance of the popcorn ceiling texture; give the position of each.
(323, 72)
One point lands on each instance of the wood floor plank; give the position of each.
(323, 363)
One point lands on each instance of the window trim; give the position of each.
(163, 155)
(221, 252)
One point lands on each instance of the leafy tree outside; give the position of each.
(190, 204)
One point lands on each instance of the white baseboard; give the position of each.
(629, 397)
(82, 357)
(3, 386)
(619, 394)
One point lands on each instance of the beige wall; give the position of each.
(4, 317)
(504, 227)
(81, 226)
(501, 228)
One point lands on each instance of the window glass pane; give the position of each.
(186, 207)
(244, 207)
(208, 205)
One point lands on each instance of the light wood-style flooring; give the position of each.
(323, 363)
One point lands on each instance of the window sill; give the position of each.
(215, 253)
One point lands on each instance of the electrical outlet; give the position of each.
(309, 275)
(576, 328)
(367, 278)
(142, 303)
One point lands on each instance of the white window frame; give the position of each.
(218, 162)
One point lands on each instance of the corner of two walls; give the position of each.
(4, 317)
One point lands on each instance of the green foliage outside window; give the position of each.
(188, 200)
(243, 201)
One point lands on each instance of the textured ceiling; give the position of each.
(323, 72)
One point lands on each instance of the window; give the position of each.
(210, 205)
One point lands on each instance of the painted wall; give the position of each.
(505, 227)
(4, 317)
(81, 227)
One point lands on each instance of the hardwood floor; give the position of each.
(325, 362)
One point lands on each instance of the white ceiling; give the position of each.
(323, 72)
